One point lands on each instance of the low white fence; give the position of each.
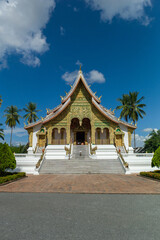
(139, 162)
(26, 162)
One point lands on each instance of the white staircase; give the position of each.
(81, 163)
(139, 162)
(105, 152)
(56, 152)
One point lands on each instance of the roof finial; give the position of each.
(80, 69)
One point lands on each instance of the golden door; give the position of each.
(119, 140)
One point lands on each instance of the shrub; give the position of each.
(7, 158)
(154, 175)
(11, 177)
(156, 158)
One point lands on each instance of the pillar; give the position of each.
(111, 134)
(50, 136)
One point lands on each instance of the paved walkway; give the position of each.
(87, 183)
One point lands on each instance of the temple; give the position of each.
(80, 119)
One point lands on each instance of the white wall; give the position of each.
(35, 130)
(125, 130)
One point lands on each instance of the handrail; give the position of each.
(40, 160)
(36, 148)
(124, 162)
(125, 148)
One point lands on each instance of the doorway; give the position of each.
(80, 138)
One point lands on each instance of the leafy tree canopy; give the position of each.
(153, 142)
(156, 158)
(7, 158)
(19, 149)
(31, 112)
(1, 132)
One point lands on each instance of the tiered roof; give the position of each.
(67, 99)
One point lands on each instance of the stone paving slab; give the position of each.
(86, 183)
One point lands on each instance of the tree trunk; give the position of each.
(11, 136)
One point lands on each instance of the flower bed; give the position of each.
(10, 177)
(155, 174)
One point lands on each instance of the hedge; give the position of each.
(12, 177)
(155, 175)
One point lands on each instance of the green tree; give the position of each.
(153, 142)
(7, 158)
(131, 108)
(124, 107)
(31, 112)
(1, 132)
(156, 158)
(12, 118)
(136, 110)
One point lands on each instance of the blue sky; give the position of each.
(42, 42)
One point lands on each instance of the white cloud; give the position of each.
(69, 77)
(79, 63)
(139, 140)
(21, 29)
(95, 76)
(150, 129)
(125, 9)
(19, 132)
(91, 77)
(62, 30)
(30, 60)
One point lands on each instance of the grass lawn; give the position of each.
(7, 177)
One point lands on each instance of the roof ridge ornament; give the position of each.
(80, 68)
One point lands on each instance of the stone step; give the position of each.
(81, 163)
(80, 167)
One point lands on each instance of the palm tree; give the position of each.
(131, 108)
(124, 106)
(1, 132)
(31, 112)
(136, 110)
(12, 118)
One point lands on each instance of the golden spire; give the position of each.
(80, 68)
(61, 98)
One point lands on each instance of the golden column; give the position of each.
(30, 137)
(92, 129)
(111, 134)
(49, 136)
(68, 129)
(130, 137)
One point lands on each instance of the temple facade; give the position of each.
(80, 119)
